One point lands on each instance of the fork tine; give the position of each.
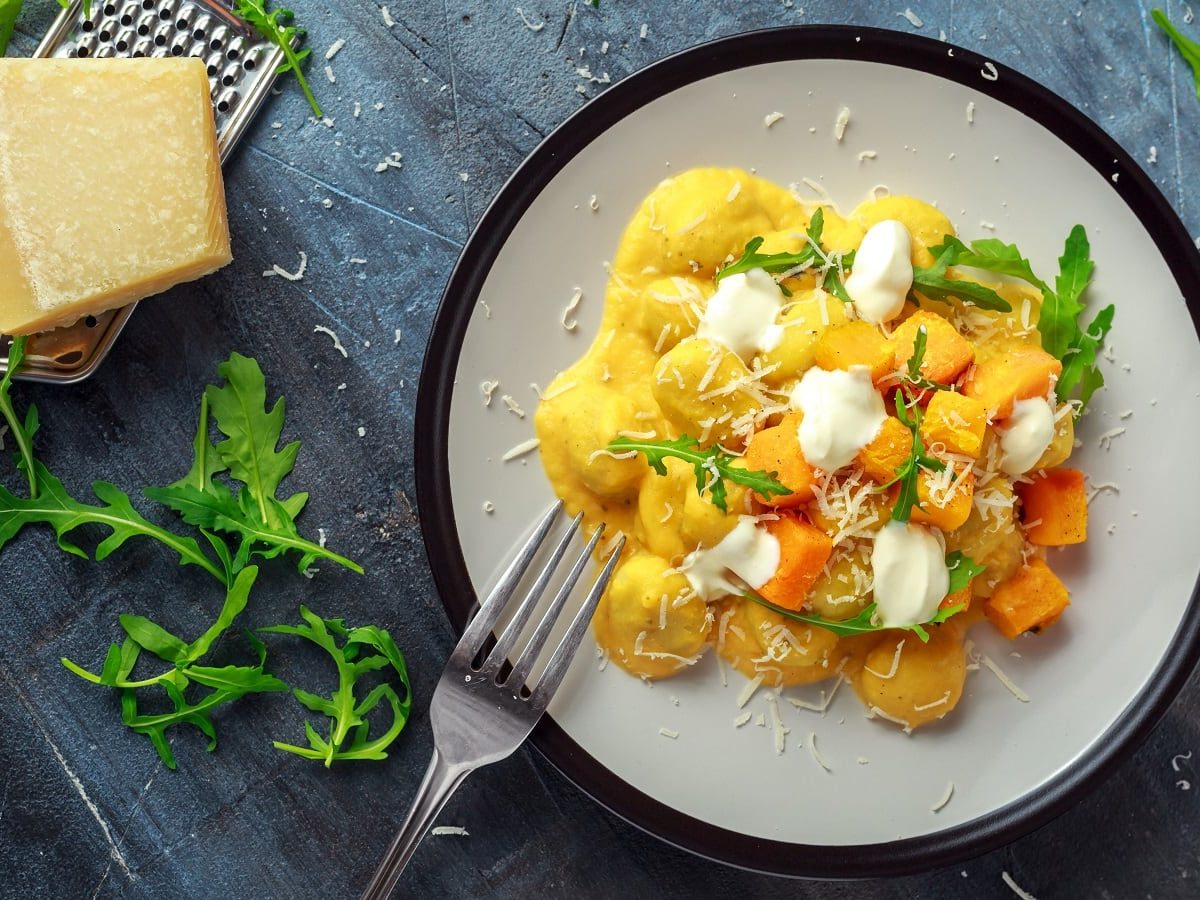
(490, 610)
(523, 665)
(565, 651)
(513, 629)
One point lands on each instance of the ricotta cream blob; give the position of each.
(1026, 435)
(842, 414)
(741, 314)
(883, 272)
(911, 578)
(749, 550)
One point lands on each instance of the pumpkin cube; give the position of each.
(1055, 508)
(1030, 600)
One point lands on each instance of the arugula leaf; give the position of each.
(1059, 323)
(863, 623)
(913, 375)
(55, 507)
(813, 253)
(271, 25)
(9, 11)
(349, 730)
(1189, 49)
(932, 282)
(908, 473)
(228, 683)
(962, 569)
(22, 432)
(249, 454)
(712, 467)
(989, 254)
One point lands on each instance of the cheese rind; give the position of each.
(110, 186)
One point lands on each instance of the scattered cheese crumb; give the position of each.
(863, 761)
(748, 691)
(334, 48)
(327, 203)
(357, 109)
(593, 203)
(362, 432)
(867, 154)
(989, 72)
(489, 507)
(645, 30)
(532, 26)
(449, 829)
(812, 751)
(1002, 677)
(742, 719)
(329, 74)
(1153, 157)
(513, 406)
(1188, 15)
(568, 317)
(488, 388)
(771, 118)
(337, 343)
(840, 123)
(521, 449)
(1105, 440)
(277, 269)
(358, 261)
(394, 160)
(937, 807)
(912, 17)
(971, 113)
(1016, 888)
(780, 730)
(668, 733)
(387, 17)
(398, 335)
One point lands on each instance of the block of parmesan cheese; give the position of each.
(110, 185)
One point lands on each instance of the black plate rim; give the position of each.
(440, 533)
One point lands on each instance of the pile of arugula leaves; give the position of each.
(229, 494)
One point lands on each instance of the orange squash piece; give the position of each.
(947, 353)
(1032, 599)
(855, 344)
(1055, 504)
(803, 551)
(961, 597)
(777, 449)
(1019, 374)
(956, 422)
(890, 448)
(953, 513)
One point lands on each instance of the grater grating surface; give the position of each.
(241, 71)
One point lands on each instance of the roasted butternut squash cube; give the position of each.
(803, 551)
(1018, 374)
(955, 421)
(946, 508)
(1030, 600)
(947, 353)
(855, 344)
(777, 449)
(888, 451)
(1055, 505)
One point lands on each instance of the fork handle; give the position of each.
(441, 780)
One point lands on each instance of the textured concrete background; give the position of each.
(87, 810)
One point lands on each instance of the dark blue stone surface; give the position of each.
(87, 810)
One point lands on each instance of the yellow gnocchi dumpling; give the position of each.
(757, 641)
(695, 387)
(911, 682)
(650, 619)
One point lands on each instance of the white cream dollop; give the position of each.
(1025, 435)
(883, 272)
(911, 578)
(749, 550)
(842, 414)
(741, 314)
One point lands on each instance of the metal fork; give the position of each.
(480, 716)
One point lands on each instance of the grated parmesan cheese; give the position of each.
(521, 449)
(937, 807)
(532, 26)
(488, 388)
(456, 830)
(1016, 888)
(895, 665)
(669, 733)
(337, 343)
(513, 406)
(780, 730)
(990, 73)
(971, 113)
(840, 123)
(329, 74)
(748, 691)
(742, 719)
(568, 317)
(913, 18)
(489, 507)
(1105, 440)
(812, 751)
(867, 154)
(277, 269)
(771, 118)
(387, 17)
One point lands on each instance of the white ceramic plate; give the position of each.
(1029, 165)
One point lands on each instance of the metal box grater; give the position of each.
(241, 71)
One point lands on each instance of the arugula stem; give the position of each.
(16, 356)
(83, 673)
(305, 547)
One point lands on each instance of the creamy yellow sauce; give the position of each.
(646, 375)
